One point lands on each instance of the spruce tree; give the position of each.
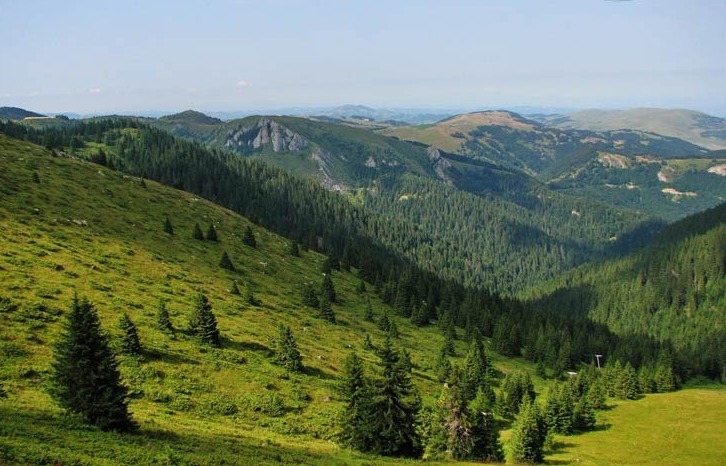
(396, 404)
(368, 316)
(485, 427)
(168, 228)
(225, 262)
(197, 232)
(248, 237)
(361, 287)
(233, 288)
(449, 347)
(393, 330)
(129, 343)
(286, 353)
(476, 366)
(203, 323)
(357, 418)
(528, 434)
(293, 249)
(328, 289)
(384, 322)
(443, 366)
(85, 378)
(212, 233)
(310, 297)
(250, 297)
(326, 310)
(163, 320)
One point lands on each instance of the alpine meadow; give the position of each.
(211, 253)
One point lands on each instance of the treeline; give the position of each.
(673, 290)
(354, 237)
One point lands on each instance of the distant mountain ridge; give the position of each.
(696, 127)
(15, 113)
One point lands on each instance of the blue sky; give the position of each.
(225, 55)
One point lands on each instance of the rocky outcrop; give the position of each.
(263, 132)
(440, 164)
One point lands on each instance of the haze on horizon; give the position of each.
(91, 57)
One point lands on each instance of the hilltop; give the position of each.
(15, 113)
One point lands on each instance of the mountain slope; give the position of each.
(517, 233)
(674, 290)
(636, 170)
(15, 113)
(71, 226)
(698, 128)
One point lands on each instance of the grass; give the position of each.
(679, 428)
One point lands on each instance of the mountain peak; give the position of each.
(193, 117)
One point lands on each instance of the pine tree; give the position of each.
(168, 228)
(357, 418)
(197, 232)
(203, 323)
(449, 433)
(286, 353)
(225, 262)
(163, 320)
(443, 366)
(233, 288)
(248, 237)
(396, 404)
(449, 347)
(129, 343)
(485, 428)
(293, 249)
(476, 366)
(328, 289)
(528, 434)
(36, 178)
(250, 297)
(212, 233)
(368, 316)
(310, 297)
(85, 378)
(515, 387)
(384, 322)
(393, 330)
(326, 310)
(361, 287)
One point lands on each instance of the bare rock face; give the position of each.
(441, 165)
(263, 132)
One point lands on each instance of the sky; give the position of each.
(233, 55)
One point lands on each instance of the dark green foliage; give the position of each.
(326, 310)
(310, 296)
(212, 233)
(361, 287)
(368, 344)
(233, 288)
(248, 237)
(225, 262)
(36, 178)
(393, 333)
(357, 418)
(515, 387)
(250, 297)
(529, 432)
(3, 393)
(286, 353)
(558, 411)
(476, 367)
(203, 323)
(449, 349)
(129, 343)
(449, 434)
(168, 228)
(485, 428)
(328, 289)
(384, 321)
(85, 379)
(443, 366)
(396, 404)
(368, 316)
(293, 249)
(197, 232)
(163, 320)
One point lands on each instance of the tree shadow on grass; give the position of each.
(173, 357)
(244, 345)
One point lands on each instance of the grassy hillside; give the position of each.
(680, 428)
(86, 229)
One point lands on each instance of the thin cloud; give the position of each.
(95, 90)
(242, 84)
